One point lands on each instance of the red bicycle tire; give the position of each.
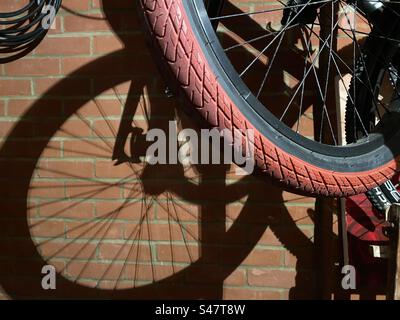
(181, 55)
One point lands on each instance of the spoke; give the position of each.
(315, 72)
(308, 44)
(265, 11)
(354, 73)
(320, 89)
(354, 38)
(348, 93)
(270, 65)
(180, 223)
(153, 270)
(327, 80)
(273, 40)
(334, 62)
(355, 43)
(345, 30)
(118, 253)
(350, 69)
(308, 71)
(257, 38)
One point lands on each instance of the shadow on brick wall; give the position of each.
(59, 206)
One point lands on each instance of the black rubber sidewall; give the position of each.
(354, 158)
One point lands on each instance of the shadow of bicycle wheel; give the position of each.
(233, 227)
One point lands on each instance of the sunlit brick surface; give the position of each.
(126, 229)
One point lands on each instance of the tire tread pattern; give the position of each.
(173, 37)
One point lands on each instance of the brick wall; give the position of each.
(74, 195)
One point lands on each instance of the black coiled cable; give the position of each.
(22, 30)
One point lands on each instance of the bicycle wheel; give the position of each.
(221, 81)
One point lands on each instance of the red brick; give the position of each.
(271, 278)
(46, 189)
(78, 5)
(125, 252)
(64, 46)
(178, 253)
(107, 44)
(66, 209)
(93, 190)
(65, 169)
(73, 23)
(33, 67)
(96, 270)
(105, 229)
(264, 257)
(150, 272)
(108, 169)
(47, 228)
(2, 108)
(59, 249)
(126, 210)
(14, 87)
